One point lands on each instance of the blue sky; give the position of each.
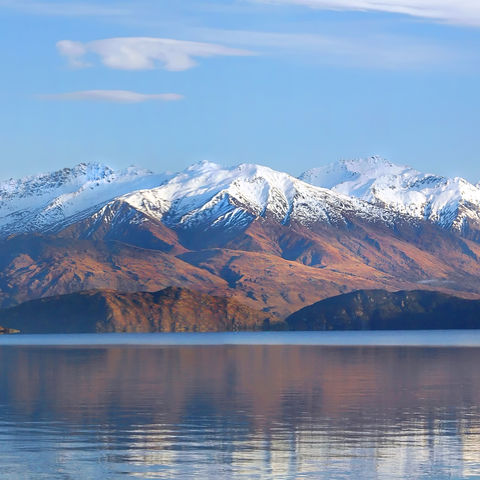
(287, 83)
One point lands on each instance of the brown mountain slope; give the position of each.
(34, 266)
(283, 286)
(343, 257)
(169, 310)
(267, 266)
(418, 248)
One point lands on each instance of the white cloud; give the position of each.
(115, 96)
(144, 53)
(372, 50)
(74, 51)
(465, 12)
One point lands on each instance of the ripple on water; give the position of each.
(239, 411)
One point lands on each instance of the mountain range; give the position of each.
(263, 238)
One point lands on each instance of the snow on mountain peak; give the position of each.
(353, 174)
(371, 165)
(91, 171)
(36, 202)
(38, 184)
(209, 194)
(65, 180)
(203, 165)
(448, 202)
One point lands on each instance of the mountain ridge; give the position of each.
(229, 196)
(452, 203)
(262, 237)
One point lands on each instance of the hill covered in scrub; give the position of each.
(382, 310)
(169, 310)
(176, 309)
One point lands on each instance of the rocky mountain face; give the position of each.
(452, 203)
(42, 202)
(262, 238)
(170, 310)
(382, 310)
(207, 195)
(204, 195)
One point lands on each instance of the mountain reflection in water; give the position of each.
(266, 412)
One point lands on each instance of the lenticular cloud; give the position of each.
(116, 96)
(144, 53)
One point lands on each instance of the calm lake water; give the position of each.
(241, 406)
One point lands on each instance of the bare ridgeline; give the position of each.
(89, 249)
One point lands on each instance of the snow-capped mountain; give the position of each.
(209, 195)
(273, 240)
(38, 202)
(452, 203)
(203, 195)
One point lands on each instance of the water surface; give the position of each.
(218, 407)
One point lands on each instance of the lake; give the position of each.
(323, 405)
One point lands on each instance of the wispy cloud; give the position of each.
(115, 96)
(374, 50)
(67, 9)
(463, 12)
(144, 53)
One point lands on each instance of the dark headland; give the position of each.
(382, 310)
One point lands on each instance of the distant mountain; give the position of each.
(41, 202)
(203, 195)
(382, 310)
(169, 310)
(452, 203)
(208, 195)
(258, 236)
